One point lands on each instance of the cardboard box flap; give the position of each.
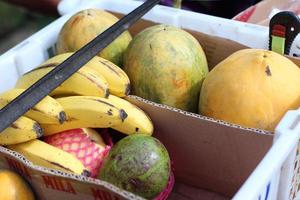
(295, 60)
(211, 159)
(216, 49)
(184, 192)
(206, 153)
(57, 183)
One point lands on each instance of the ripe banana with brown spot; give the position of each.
(85, 81)
(85, 112)
(22, 130)
(117, 79)
(137, 121)
(47, 111)
(43, 154)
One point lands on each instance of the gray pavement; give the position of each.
(16, 24)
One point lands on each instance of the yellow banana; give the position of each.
(117, 79)
(22, 130)
(137, 121)
(43, 154)
(85, 112)
(84, 82)
(47, 111)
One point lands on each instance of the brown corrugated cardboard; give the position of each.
(211, 158)
(207, 153)
(50, 184)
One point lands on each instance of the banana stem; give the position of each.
(177, 4)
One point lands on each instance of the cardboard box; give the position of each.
(212, 158)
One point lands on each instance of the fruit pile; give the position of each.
(69, 129)
(253, 88)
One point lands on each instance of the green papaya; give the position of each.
(166, 65)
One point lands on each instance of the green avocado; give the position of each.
(139, 164)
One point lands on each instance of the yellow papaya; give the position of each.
(13, 187)
(252, 87)
(84, 26)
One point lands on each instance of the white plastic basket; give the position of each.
(251, 35)
(273, 177)
(248, 34)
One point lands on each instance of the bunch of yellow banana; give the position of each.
(92, 83)
(95, 112)
(98, 77)
(28, 126)
(90, 98)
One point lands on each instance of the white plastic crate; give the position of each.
(248, 34)
(277, 167)
(251, 35)
(273, 177)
